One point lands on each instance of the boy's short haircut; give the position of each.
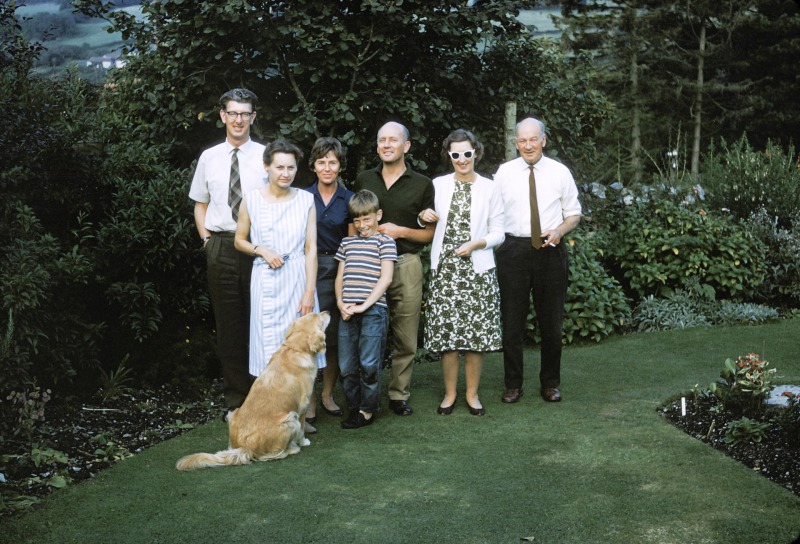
(363, 203)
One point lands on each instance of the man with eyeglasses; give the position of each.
(540, 200)
(224, 173)
(403, 195)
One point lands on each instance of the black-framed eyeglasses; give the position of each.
(245, 115)
(455, 155)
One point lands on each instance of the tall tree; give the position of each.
(710, 68)
(342, 67)
(695, 38)
(616, 35)
(765, 50)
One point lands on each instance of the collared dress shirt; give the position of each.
(211, 181)
(556, 194)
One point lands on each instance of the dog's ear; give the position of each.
(316, 336)
(325, 317)
(317, 342)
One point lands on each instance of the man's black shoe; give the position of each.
(400, 407)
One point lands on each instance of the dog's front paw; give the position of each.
(305, 442)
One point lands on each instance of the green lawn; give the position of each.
(602, 466)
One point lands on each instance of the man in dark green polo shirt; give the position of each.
(403, 195)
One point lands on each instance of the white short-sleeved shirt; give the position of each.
(556, 194)
(211, 181)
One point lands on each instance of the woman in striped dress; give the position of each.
(277, 225)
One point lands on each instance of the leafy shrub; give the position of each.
(659, 246)
(29, 406)
(739, 313)
(99, 257)
(595, 305)
(741, 179)
(44, 287)
(782, 257)
(696, 307)
(745, 430)
(677, 311)
(745, 384)
(116, 383)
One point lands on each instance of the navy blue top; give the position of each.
(332, 220)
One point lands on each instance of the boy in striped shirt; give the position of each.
(366, 264)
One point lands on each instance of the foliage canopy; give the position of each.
(344, 67)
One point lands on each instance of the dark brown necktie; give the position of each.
(235, 191)
(536, 225)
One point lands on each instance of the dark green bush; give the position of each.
(657, 246)
(743, 180)
(781, 285)
(44, 286)
(100, 264)
(595, 305)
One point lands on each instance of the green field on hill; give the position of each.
(87, 39)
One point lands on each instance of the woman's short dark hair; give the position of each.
(461, 135)
(363, 203)
(325, 145)
(282, 146)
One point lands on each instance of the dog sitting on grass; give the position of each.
(270, 423)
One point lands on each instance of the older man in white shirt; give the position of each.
(540, 201)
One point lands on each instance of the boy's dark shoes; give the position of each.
(356, 420)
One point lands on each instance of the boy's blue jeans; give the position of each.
(362, 341)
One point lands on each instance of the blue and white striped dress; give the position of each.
(275, 294)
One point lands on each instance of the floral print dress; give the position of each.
(463, 307)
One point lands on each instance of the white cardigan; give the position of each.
(486, 219)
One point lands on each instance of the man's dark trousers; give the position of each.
(522, 270)
(229, 286)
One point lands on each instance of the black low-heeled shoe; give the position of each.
(476, 411)
(334, 413)
(445, 410)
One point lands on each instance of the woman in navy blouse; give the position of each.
(327, 160)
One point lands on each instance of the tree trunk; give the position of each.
(636, 129)
(698, 103)
(510, 130)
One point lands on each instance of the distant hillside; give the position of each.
(72, 39)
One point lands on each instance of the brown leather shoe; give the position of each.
(512, 395)
(551, 394)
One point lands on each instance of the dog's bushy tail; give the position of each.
(234, 456)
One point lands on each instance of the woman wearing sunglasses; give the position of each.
(463, 306)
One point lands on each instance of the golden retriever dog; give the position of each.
(270, 423)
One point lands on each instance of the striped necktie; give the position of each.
(235, 191)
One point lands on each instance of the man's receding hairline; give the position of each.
(403, 130)
(531, 120)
